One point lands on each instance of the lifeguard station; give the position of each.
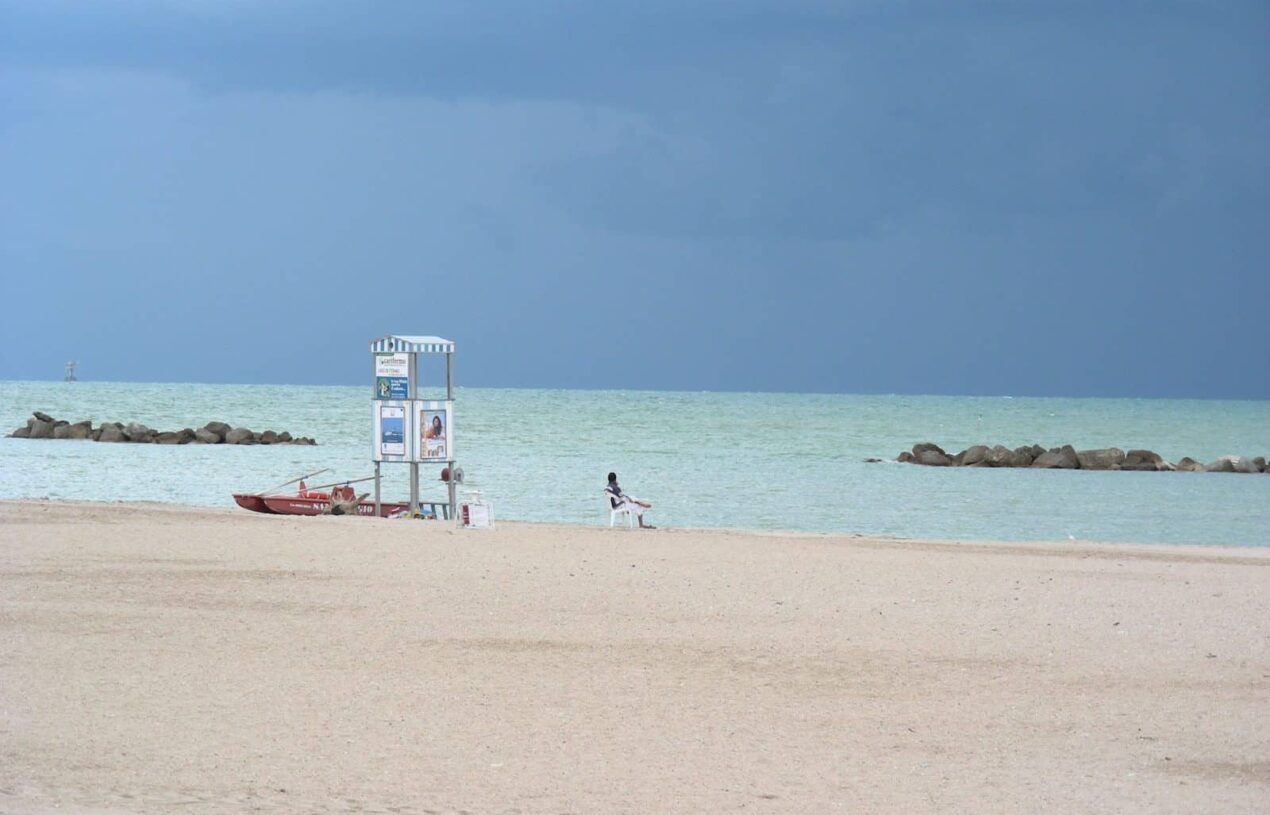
(408, 429)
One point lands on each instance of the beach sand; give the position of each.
(165, 659)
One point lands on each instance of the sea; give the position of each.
(762, 461)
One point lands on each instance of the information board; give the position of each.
(392, 430)
(392, 376)
(393, 422)
(476, 515)
(435, 429)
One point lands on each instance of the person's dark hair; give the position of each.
(612, 477)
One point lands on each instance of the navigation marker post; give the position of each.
(404, 427)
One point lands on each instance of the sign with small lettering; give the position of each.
(392, 376)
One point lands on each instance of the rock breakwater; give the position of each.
(43, 426)
(1069, 458)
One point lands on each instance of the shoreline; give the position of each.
(1078, 545)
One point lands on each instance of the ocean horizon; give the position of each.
(705, 459)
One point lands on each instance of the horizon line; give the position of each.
(739, 392)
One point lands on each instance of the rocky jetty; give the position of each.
(43, 426)
(1069, 458)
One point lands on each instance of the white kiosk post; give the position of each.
(406, 428)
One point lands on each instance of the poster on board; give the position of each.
(436, 436)
(476, 515)
(392, 430)
(392, 376)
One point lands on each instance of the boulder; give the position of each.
(111, 432)
(268, 437)
(999, 456)
(187, 435)
(44, 417)
(1243, 464)
(205, 436)
(1059, 458)
(168, 438)
(284, 436)
(304, 440)
(971, 456)
(924, 446)
(1105, 458)
(62, 431)
(139, 433)
(1023, 457)
(219, 428)
(932, 458)
(1189, 465)
(1225, 464)
(40, 429)
(81, 430)
(1261, 464)
(21, 433)
(1135, 458)
(238, 435)
(1232, 464)
(904, 458)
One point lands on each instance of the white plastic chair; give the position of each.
(623, 509)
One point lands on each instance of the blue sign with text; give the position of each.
(392, 387)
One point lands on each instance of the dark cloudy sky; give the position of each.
(1027, 198)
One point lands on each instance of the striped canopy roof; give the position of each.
(393, 343)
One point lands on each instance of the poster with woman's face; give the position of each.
(432, 432)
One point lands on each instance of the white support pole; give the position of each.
(374, 442)
(414, 465)
(449, 397)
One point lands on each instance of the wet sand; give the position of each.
(158, 659)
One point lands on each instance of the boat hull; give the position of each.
(255, 503)
(294, 505)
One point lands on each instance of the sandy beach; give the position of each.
(160, 659)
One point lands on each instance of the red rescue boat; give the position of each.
(307, 501)
(317, 501)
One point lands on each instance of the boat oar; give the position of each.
(292, 481)
(338, 483)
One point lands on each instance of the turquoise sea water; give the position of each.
(756, 461)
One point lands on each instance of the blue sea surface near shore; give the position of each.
(737, 460)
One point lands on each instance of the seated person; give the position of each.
(618, 500)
